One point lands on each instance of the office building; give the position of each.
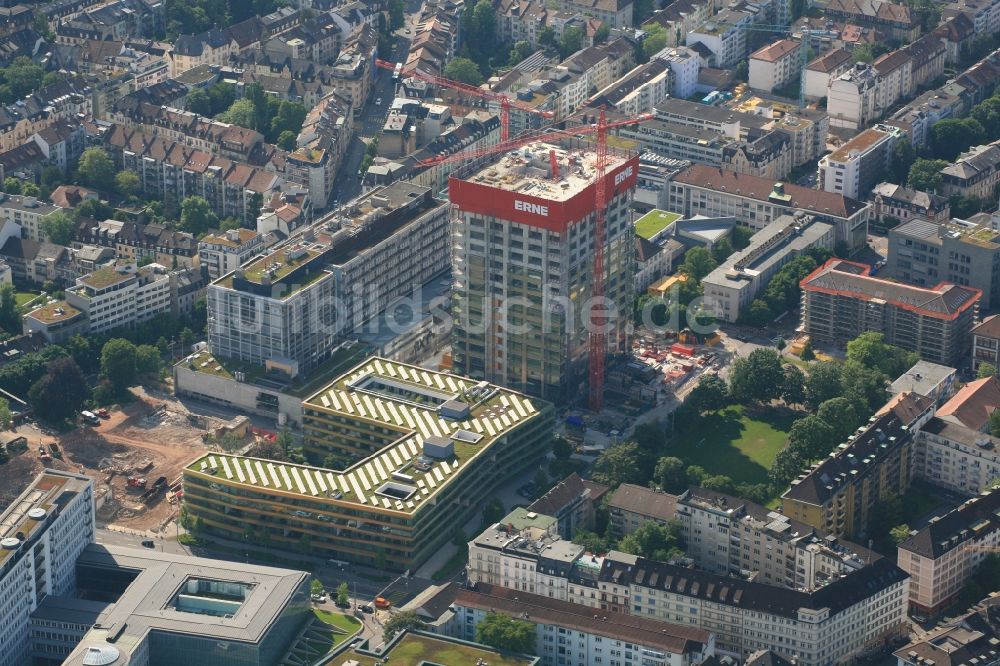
(684, 64)
(733, 285)
(420, 449)
(855, 167)
(756, 201)
(121, 296)
(522, 257)
(958, 458)
(964, 253)
(941, 557)
(840, 301)
(630, 506)
(986, 342)
(833, 624)
(293, 305)
(568, 633)
(837, 495)
(41, 534)
(162, 608)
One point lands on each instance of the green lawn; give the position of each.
(734, 443)
(339, 620)
(22, 298)
(653, 222)
(414, 650)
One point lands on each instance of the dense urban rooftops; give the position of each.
(443, 422)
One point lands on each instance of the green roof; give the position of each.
(654, 222)
(416, 650)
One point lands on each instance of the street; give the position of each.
(373, 117)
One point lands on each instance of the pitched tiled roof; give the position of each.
(973, 403)
(775, 51)
(829, 61)
(644, 501)
(989, 327)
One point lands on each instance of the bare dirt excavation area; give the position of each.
(135, 457)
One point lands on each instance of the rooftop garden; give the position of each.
(414, 650)
(654, 222)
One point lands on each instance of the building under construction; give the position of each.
(523, 261)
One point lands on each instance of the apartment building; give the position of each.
(568, 633)
(933, 381)
(732, 286)
(67, 98)
(43, 531)
(856, 166)
(941, 557)
(825, 68)
(927, 55)
(917, 117)
(519, 234)
(725, 35)
(975, 173)
(953, 456)
(293, 304)
(139, 243)
(983, 14)
(897, 204)
(677, 141)
(730, 536)
(614, 13)
(353, 68)
(630, 506)
(26, 214)
(757, 202)
(838, 494)
(596, 67)
(833, 624)
(684, 65)
(973, 635)
(638, 91)
(853, 97)
(986, 342)
(840, 301)
(421, 451)
(775, 65)
(680, 18)
(896, 21)
(222, 253)
(213, 47)
(895, 79)
(958, 252)
(767, 156)
(320, 148)
(121, 296)
(524, 552)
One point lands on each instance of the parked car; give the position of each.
(368, 608)
(103, 413)
(318, 598)
(148, 543)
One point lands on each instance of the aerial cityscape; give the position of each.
(500, 333)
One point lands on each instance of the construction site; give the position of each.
(135, 456)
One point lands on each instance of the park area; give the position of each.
(736, 442)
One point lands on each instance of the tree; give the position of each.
(602, 33)
(561, 448)
(222, 96)
(710, 395)
(58, 227)
(187, 340)
(742, 71)
(925, 175)
(902, 158)
(520, 51)
(506, 634)
(284, 116)
(286, 140)
(698, 263)
(147, 360)
(656, 41)
(118, 363)
(952, 136)
(400, 622)
(721, 250)
(397, 14)
(758, 314)
(787, 465)
(92, 208)
(572, 41)
(127, 183)
(315, 586)
(10, 315)
(811, 437)
(6, 416)
(621, 463)
(12, 185)
(199, 102)
(864, 386)
(547, 38)
(343, 595)
(899, 534)
(986, 370)
(464, 70)
(492, 512)
(242, 112)
(60, 392)
(197, 216)
(994, 423)
(95, 168)
(872, 351)
(807, 352)
(793, 386)
(823, 382)
(756, 378)
(741, 236)
(840, 415)
(670, 474)
(653, 540)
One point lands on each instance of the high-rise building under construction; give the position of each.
(523, 234)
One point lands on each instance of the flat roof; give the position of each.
(54, 312)
(418, 649)
(654, 222)
(527, 170)
(404, 399)
(860, 143)
(105, 277)
(147, 603)
(24, 515)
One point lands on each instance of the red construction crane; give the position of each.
(506, 103)
(598, 337)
